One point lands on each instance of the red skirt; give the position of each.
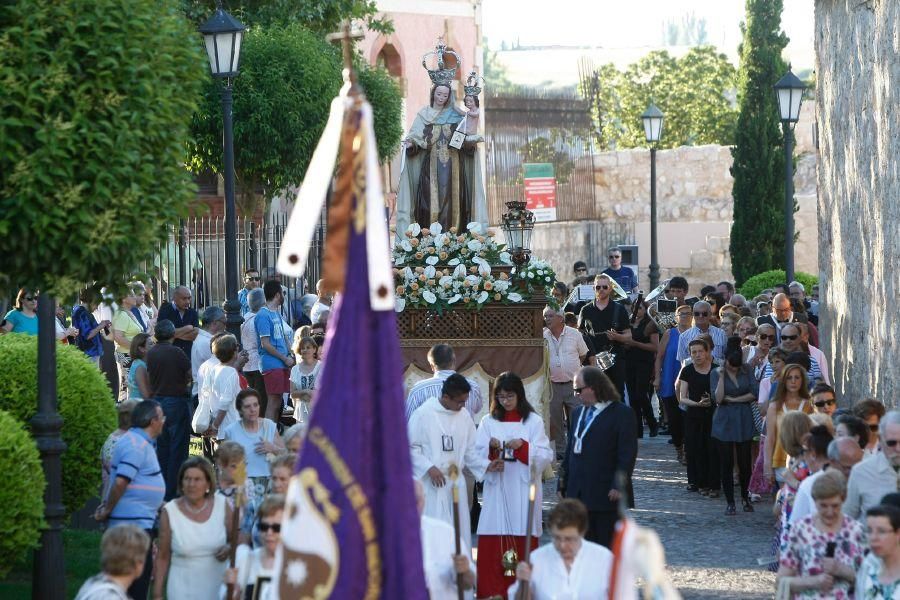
(491, 580)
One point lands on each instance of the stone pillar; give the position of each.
(859, 193)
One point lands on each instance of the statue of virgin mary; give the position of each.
(441, 180)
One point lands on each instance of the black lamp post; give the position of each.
(48, 573)
(223, 35)
(518, 225)
(653, 122)
(790, 94)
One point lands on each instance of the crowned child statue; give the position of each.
(441, 180)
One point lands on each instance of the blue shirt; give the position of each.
(624, 276)
(242, 298)
(269, 323)
(134, 458)
(21, 323)
(85, 323)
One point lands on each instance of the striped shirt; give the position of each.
(718, 337)
(427, 388)
(815, 372)
(134, 459)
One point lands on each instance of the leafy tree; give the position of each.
(757, 232)
(692, 91)
(494, 71)
(22, 495)
(317, 15)
(94, 113)
(289, 76)
(550, 149)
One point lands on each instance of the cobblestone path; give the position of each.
(709, 556)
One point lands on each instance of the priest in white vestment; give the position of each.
(442, 435)
(571, 567)
(514, 433)
(442, 567)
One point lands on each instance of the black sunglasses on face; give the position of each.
(891, 443)
(253, 278)
(789, 337)
(275, 527)
(30, 299)
(765, 336)
(601, 287)
(824, 403)
(613, 256)
(701, 314)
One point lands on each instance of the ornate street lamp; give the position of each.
(223, 35)
(653, 123)
(789, 90)
(518, 225)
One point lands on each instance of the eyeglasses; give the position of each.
(701, 314)
(613, 256)
(601, 287)
(506, 397)
(789, 337)
(252, 278)
(579, 390)
(30, 298)
(765, 336)
(824, 403)
(274, 527)
(891, 443)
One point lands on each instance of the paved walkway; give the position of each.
(709, 555)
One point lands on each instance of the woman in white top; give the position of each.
(254, 568)
(303, 376)
(259, 437)
(571, 567)
(514, 432)
(193, 536)
(222, 385)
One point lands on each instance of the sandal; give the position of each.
(713, 493)
(730, 511)
(748, 507)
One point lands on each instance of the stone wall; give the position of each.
(694, 208)
(857, 43)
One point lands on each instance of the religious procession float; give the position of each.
(457, 281)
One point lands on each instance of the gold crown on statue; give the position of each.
(443, 74)
(472, 87)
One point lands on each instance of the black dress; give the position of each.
(700, 451)
(639, 376)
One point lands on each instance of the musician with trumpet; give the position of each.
(608, 325)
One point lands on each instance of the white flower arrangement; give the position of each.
(440, 270)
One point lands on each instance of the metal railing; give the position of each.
(194, 256)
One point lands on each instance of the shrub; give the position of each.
(21, 495)
(384, 96)
(85, 403)
(767, 279)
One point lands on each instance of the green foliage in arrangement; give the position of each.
(85, 404)
(21, 495)
(754, 285)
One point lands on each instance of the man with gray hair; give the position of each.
(877, 475)
(256, 299)
(214, 322)
(169, 370)
(567, 353)
(180, 312)
(702, 311)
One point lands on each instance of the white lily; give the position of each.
(473, 279)
(506, 258)
(429, 296)
(475, 227)
(445, 280)
(408, 274)
(399, 304)
(454, 299)
(515, 297)
(431, 260)
(501, 285)
(430, 272)
(406, 245)
(474, 245)
(435, 229)
(453, 262)
(414, 228)
(482, 298)
(460, 271)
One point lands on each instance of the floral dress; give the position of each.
(806, 549)
(867, 585)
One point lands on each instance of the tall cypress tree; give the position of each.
(757, 234)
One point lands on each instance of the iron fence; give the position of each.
(194, 256)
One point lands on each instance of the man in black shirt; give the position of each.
(607, 324)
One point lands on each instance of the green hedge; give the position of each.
(21, 495)
(85, 403)
(753, 286)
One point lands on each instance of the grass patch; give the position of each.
(82, 558)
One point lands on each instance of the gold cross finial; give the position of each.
(346, 36)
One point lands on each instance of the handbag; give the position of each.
(202, 418)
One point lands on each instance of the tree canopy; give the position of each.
(317, 15)
(757, 232)
(94, 117)
(289, 76)
(695, 92)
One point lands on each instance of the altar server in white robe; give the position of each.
(571, 567)
(441, 434)
(443, 569)
(514, 433)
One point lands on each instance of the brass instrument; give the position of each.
(663, 319)
(605, 360)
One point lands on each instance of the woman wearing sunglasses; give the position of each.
(254, 567)
(22, 318)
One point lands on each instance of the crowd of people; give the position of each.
(738, 386)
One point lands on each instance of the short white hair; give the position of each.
(797, 284)
(891, 417)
